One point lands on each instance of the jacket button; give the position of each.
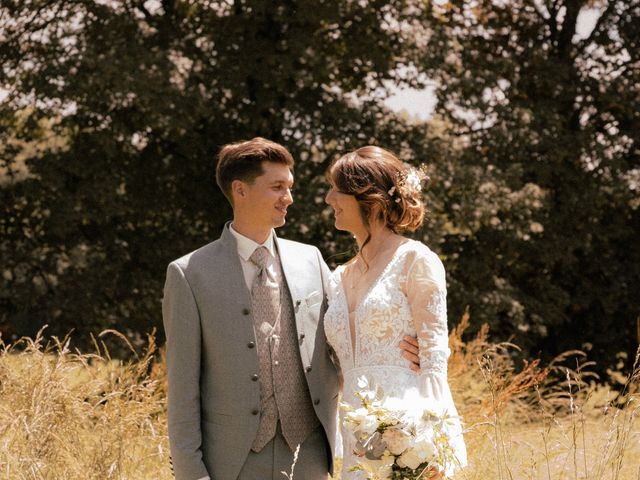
(251, 344)
(255, 411)
(254, 377)
(308, 369)
(316, 401)
(246, 311)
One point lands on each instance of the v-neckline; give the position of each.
(353, 337)
(375, 281)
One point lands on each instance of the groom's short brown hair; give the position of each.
(243, 161)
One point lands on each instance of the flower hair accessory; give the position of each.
(409, 182)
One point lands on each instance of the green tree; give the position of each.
(115, 111)
(550, 118)
(139, 97)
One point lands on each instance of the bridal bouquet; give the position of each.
(397, 438)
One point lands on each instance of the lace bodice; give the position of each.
(407, 298)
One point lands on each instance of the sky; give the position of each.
(421, 103)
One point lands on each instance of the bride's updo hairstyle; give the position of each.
(377, 178)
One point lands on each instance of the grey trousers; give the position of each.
(276, 457)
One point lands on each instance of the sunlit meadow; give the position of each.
(66, 415)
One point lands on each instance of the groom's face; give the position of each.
(269, 195)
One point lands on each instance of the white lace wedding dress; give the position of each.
(407, 298)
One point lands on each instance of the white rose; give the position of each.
(397, 440)
(379, 469)
(358, 415)
(425, 432)
(424, 448)
(363, 382)
(384, 465)
(409, 459)
(369, 424)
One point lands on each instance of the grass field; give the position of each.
(65, 415)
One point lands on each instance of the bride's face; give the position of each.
(346, 210)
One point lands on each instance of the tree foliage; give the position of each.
(546, 116)
(115, 110)
(144, 94)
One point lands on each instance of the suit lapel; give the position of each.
(295, 274)
(292, 272)
(233, 268)
(233, 274)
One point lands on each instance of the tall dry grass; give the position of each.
(550, 422)
(67, 415)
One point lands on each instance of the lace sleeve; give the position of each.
(427, 296)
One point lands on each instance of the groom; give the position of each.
(249, 372)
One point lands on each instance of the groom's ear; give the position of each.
(238, 188)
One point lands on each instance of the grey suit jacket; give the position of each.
(211, 356)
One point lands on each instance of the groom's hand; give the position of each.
(410, 351)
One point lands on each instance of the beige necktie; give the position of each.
(265, 292)
(265, 300)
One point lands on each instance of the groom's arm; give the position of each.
(182, 328)
(411, 351)
(325, 273)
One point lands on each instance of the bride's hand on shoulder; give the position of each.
(410, 350)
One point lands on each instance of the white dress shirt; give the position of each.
(246, 247)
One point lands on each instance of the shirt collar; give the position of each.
(246, 246)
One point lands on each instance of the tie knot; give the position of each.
(260, 256)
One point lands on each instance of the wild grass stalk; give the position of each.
(552, 422)
(68, 415)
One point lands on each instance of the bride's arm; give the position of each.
(427, 294)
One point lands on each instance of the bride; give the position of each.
(393, 287)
